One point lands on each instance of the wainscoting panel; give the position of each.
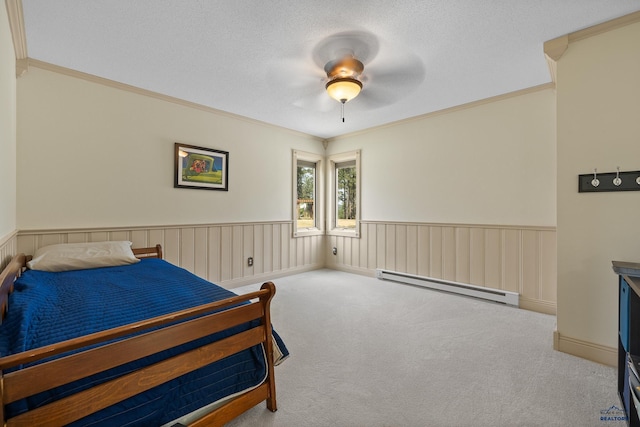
(517, 259)
(216, 252)
(8, 249)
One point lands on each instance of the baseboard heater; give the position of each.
(497, 295)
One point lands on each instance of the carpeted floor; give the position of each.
(366, 352)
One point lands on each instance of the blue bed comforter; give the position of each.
(46, 308)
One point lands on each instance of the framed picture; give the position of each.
(201, 168)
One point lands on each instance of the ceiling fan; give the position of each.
(355, 64)
(343, 84)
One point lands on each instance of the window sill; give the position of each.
(344, 232)
(308, 232)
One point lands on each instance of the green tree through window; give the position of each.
(306, 185)
(307, 178)
(346, 195)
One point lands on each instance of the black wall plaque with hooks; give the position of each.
(600, 182)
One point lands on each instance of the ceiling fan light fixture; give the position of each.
(343, 89)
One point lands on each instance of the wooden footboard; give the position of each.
(62, 370)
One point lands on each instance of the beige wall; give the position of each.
(91, 155)
(466, 194)
(598, 102)
(96, 162)
(485, 163)
(7, 130)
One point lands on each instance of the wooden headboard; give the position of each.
(153, 252)
(19, 263)
(7, 277)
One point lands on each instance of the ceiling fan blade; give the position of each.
(317, 100)
(402, 70)
(372, 99)
(294, 73)
(300, 83)
(386, 78)
(386, 84)
(360, 44)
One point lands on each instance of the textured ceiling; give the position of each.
(263, 59)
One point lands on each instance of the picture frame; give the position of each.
(201, 168)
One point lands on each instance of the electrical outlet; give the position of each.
(250, 261)
(378, 273)
(335, 251)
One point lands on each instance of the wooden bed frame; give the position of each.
(29, 381)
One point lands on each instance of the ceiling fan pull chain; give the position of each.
(342, 108)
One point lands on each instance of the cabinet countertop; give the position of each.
(630, 271)
(626, 268)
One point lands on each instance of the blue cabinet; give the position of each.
(629, 337)
(623, 318)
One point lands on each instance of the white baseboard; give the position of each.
(271, 276)
(354, 270)
(546, 307)
(585, 349)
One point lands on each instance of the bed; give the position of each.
(138, 343)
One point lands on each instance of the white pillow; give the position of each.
(79, 256)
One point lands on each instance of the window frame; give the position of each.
(335, 160)
(318, 160)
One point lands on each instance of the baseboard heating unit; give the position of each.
(497, 295)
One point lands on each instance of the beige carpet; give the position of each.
(366, 352)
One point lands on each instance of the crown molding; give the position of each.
(151, 94)
(555, 48)
(613, 24)
(472, 104)
(553, 51)
(18, 34)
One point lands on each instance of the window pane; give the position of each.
(306, 182)
(346, 195)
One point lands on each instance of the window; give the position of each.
(345, 194)
(307, 194)
(306, 188)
